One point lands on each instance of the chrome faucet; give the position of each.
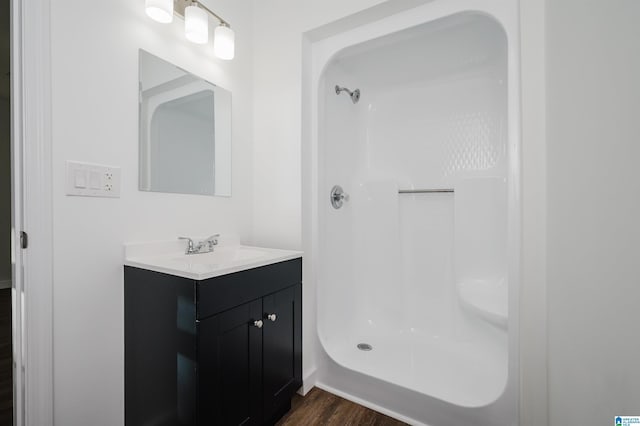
(205, 246)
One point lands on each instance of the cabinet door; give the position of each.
(230, 371)
(282, 350)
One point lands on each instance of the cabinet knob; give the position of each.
(272, 317)
(258, 323)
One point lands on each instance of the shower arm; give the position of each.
(355, 95)
(343, 89)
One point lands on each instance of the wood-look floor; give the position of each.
(6, 385)
(319, 407)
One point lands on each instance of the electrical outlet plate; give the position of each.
(92, 180)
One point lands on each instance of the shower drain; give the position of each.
(365, 346)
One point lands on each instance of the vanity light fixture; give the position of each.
(160, 10)
(223, 42)
(196, 23)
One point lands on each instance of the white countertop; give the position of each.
(169, 258)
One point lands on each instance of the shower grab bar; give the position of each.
(425, 191)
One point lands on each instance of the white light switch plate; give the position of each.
(92, 180)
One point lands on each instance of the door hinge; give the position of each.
(24, 240)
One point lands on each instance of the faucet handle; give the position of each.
(212, 240)
(189, 244)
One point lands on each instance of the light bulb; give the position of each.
(160, 10)
(224, 42)
(196, 25)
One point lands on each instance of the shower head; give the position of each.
(355, 95)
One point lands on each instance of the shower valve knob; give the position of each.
(258, 323)
(272, 317)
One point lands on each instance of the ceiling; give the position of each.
(4, 49)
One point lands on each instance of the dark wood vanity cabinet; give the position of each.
(222, 351)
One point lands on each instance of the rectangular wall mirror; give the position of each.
(185, 131)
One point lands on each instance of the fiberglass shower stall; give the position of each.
(415, 269)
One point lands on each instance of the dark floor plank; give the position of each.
(319, 407)
(6, 383)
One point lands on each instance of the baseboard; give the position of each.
(308, 383)
(5, 284)
(369, 405)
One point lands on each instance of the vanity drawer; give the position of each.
(225, 292)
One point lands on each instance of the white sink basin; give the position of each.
(222, 255)
(169, 258)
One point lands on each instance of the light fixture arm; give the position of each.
(212, 13)
(181, 5)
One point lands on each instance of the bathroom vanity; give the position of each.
(212, 339)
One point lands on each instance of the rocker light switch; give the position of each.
(95, 180)
(80, 179)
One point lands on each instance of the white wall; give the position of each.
(95, 119)
(593, 70)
